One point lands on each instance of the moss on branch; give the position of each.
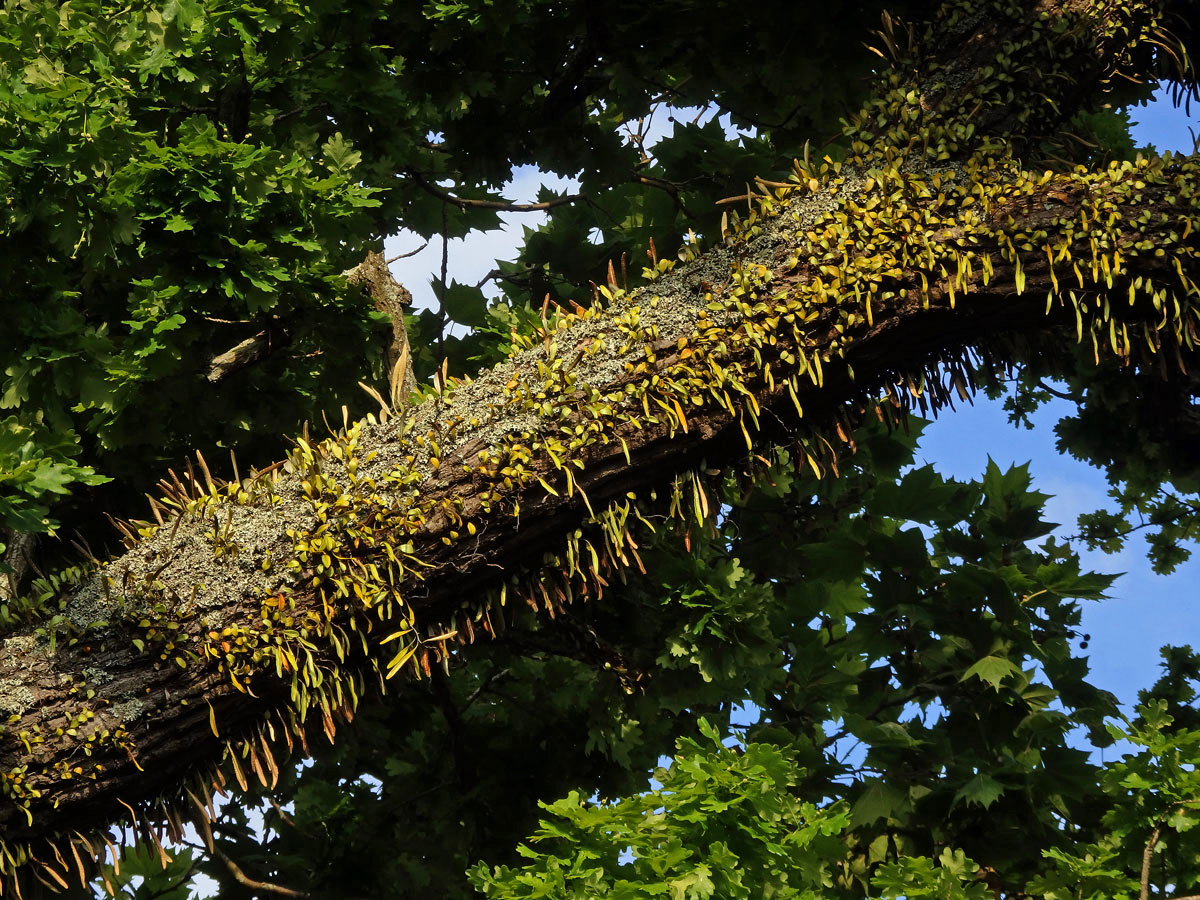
(253, 610)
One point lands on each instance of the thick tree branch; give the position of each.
(263, 610)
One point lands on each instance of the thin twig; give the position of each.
(500, 205)
(669, 187)
(1056, 393)
(408, 254)
(283, 815)
(297, 110)
(191, 870)
(487, 683)
(1190, 508)
(442, 294)
(242, 878)
(495, 273)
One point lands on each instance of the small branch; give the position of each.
(295, 111)
(245, 354)
(520, 278)
(669, 187)
(495, 273)
(1147, 855)
(408, 254)
(666, 94)
(500, 205)
(183, 879)
(1190, 508)
(242, 878)
(637, 137)
(1061, 395)
(1193, 505)
(494, 675)
(283, 815)
(442, 316)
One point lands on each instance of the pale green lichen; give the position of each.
(15, 699)
(127, 711)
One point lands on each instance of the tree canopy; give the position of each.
(666, 472)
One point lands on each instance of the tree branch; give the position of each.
(243, 879)
(247, 353)
(669, 187)
(391, 297)
(173, 886)
(400, 256)
(1147, 857)
(261, 611)
(1054, 392)
(500, 205)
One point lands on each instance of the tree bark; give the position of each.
(260, 610)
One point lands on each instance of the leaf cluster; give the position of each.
(184, 177)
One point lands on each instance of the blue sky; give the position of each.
(1145, 610)
(1162, 125)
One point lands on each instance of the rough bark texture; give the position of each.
(391, 297)
(260, 610)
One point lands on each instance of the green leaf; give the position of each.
(879, 801)
(993, 670)
(466, 304)
(43, 72)
(982, 790)
(340, 153)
